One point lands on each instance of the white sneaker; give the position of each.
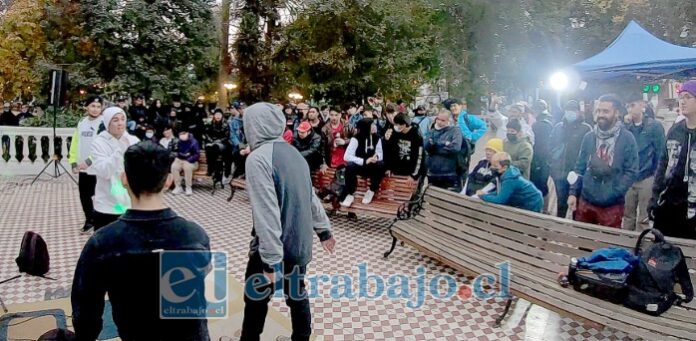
(225, 180)
(189, 191)
(177, 190)
(348, 201)
(368, 197)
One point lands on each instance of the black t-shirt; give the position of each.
(403, 152)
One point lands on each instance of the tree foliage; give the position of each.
(22, 47)
(349, 49)
(138, 45)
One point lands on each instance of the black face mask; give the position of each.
(495, 172)
(512, 137)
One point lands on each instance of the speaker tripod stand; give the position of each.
(55, 160)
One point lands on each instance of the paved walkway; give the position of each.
(52, 209)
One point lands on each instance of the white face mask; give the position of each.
(149, 135)
(398, 129)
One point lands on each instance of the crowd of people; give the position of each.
(621, 171)
(612, 166)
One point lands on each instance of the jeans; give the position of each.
(672, 220)
(449, 183)
(374, 171)
(87, 183)
(562, 193)
(213, 153)
(256, 308)
(637, 200)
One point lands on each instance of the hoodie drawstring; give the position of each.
(688, 160)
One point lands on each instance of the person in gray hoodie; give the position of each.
(285, 213)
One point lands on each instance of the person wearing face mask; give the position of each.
(513, 190)
(364, 157)
(404, 149)
(80, 159)
(606, 168)
(520, 150)
(217, 146)
(169, 141)
(482, 175)
(443, 146)
(150, 134)
(188, 151)
(110, 197)
(565, 142)
(650, 138)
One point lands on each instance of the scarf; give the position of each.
(606, 142)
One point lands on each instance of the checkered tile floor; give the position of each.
(52, 209)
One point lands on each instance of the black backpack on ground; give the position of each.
(33, 255)
(651, 284)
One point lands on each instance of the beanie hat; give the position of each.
(304, 127)
(93, 99)
(495, 144)
(514, 124)
(109, 114)
(572, 105)
(689, 87)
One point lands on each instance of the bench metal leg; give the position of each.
(393, 246)
(500, 318)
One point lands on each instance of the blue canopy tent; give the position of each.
(636, 52)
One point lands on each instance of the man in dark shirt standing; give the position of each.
(123, 259)
(404, 148)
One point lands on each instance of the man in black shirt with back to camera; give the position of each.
(123, 259)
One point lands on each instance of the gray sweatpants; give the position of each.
(637, 200)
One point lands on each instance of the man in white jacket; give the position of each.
(111, 198)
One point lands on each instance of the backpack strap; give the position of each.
(659, 237)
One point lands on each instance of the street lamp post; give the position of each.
(294, 96)
(229, 87)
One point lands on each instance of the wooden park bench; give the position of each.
(473, 236)
(201, 174)
(393, 192)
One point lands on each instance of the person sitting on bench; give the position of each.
(404, 149)
(308, 143)
(364, 157)
(513, 190)
(482, 175)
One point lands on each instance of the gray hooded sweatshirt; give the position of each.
(285, 210)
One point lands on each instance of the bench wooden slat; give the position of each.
(521, 280)
(607, 235)
(525, 254)
(506, 230)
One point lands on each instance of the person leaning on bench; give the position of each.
(514, 190)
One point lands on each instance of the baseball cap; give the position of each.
(304, 127)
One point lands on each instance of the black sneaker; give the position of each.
(86, 227)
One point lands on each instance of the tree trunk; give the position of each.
(225, 60)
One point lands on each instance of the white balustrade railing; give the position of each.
(13, 166)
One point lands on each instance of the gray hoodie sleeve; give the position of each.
(322, 224)
(265, 207)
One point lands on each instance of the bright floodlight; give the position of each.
(559, 81)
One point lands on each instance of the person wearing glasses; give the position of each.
(650, 137)
(673, 204)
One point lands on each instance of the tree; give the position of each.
(225, 60)
(344, 50)
(22, 47)
(140, 45)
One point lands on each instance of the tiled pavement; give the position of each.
(52, 209)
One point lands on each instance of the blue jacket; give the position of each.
(609, 190)
(236, 133)
(611, 259)
(189, 150)
(650, 137)
(516, 191)
(442, 148)
(471, 126)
